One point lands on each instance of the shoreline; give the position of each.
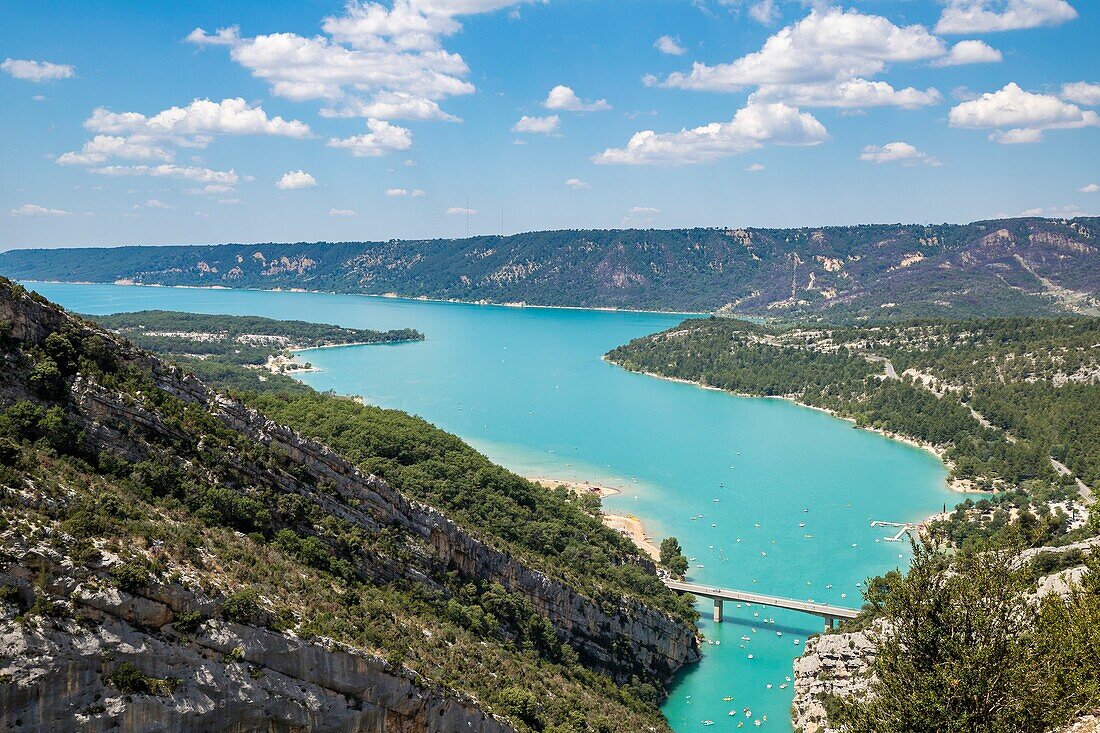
(625, 524)
(286, 360)
(576, 486)
(386, 296)
(959, 486)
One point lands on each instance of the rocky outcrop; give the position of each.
(832, 665)
(60, 672)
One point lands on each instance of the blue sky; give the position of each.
(152, 123)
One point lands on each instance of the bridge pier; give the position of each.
(830, 623)
(717, 610)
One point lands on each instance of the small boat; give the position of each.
(727, 698)
(769, 685)
(783, 686)
(801, 524)
(779, 633)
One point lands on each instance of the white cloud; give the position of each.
(37, 71)
(190, 173)
(751, 128)
(1068, 211)
(134, 136)
(202, 117)
(396, 192)
(970, 52)
(577, 184)
(1090, 188)
(213, 189)
(755, 168)
(460, 210)
(375, 60)
(1018, 136)
(896, 152)
(764, 12)
(827, 45)
(985, 16)
(544, 125)
(564, 98)
(1019, 116)
(639, 215)
(292, 180)
(341, 212)
(669, 45)
(1082, 92)
(853, 94)
(230, 36)
(228, 202)
(101, 148)
(418, 193)
(391, 106)
(36, 210)
(382, 138)
(155, 204)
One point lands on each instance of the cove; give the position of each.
(765, 495)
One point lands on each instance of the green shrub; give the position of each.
(129, 679)
(45, 378)
(187, 622)
(242, 607)
(130, 576)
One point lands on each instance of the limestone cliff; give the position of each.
(253, 676)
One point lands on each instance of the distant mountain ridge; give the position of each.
(1001, 267)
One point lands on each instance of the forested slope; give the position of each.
(998, 398)
(1002, 267)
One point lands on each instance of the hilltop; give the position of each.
(1001, 267)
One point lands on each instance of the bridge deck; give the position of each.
(817, 609)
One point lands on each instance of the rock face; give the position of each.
(269, 680)
(225, 677)
(831, 665)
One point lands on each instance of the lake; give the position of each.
(763, 494)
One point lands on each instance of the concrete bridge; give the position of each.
(719, 595)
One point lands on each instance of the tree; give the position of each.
(672, 557)
(956, 650)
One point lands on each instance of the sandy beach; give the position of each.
(580, 487)
(632, 527)
(626, 524)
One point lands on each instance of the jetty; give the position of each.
(902, 527)
(830, 613)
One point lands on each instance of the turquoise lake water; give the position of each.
(734, 478)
